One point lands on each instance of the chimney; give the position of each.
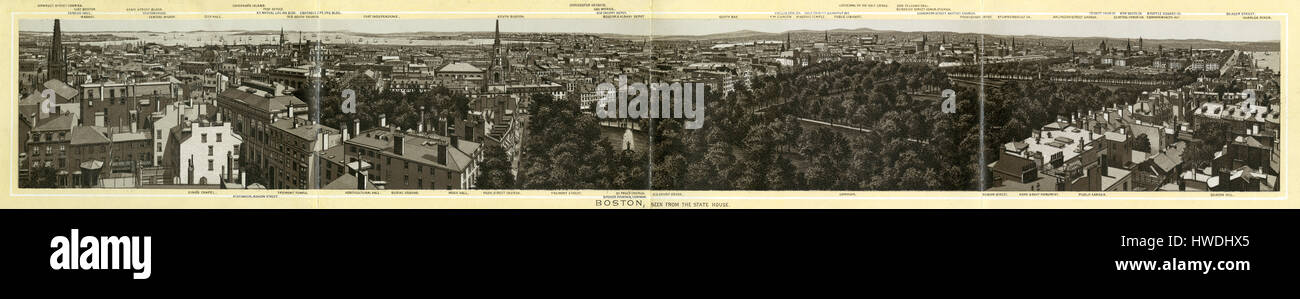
(361, 177)
(230, 162)
(455, 137)
(442, 153)
(242, 181)
(383, 120)
(324, 142)
(356, 123)
(397, 144)
(1225, 176)
(1182, 184)
(421, 127)
(1105, 165)
(442, 125)
(279, 89)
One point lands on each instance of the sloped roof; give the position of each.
(87, 135)
(348, 182)
(261, 103)
(62, 122)
(460, 67)
(62, 89)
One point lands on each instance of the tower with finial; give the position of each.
(57, 60)
(499, 63)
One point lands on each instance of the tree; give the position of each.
(41, 177)
(494, 171)
(1141, 143)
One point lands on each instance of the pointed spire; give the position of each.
(57, 59)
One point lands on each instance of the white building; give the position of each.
(167, 119)
(208, 152)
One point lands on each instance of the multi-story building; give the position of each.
(210, 153)
(119, 103)
(406, 160)
(47, 144)
(251, 113)
(292, 150)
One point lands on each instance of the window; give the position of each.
(203, 138)
(160, 146)
(209, 164)
(218, 137)
(209, 150)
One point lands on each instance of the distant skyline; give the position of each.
(1217, 30)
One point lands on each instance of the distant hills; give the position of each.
(1081, 43)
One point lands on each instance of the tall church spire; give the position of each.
(57, 60)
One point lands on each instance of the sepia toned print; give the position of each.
(768, 105)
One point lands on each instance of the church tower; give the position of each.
(786, 45)
(499, 69)
(57, 60)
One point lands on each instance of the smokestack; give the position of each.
(421, 127)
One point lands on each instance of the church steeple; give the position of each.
(786, 45)
(57, 59)
(499, 67)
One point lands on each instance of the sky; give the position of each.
(1219, 30)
